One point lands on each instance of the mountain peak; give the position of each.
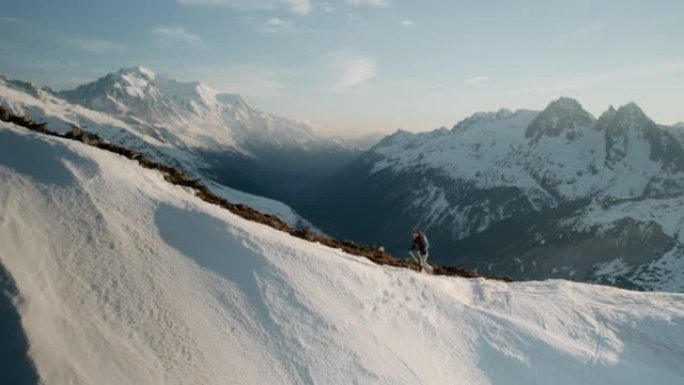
(630, 124)
(565, 103)
(632, 109)
(632, 114)
(396, 137)
(561, 115)
(138, 71)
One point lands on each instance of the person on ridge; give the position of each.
(419, 248)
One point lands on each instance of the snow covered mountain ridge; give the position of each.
(556, 193)
(522, 152)
(123, 278)
(190, 114)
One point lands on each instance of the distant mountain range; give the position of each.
(191, 114)
(221, 137)
(534, 195)
(530, 194)
(239, 145)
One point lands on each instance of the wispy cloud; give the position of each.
(301, 7)
(96, 45)
(478, 80)
(276, 24)
(350, 70)
(166, 36)
(407, 23)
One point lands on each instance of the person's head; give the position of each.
(416, 234)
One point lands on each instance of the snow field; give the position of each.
(126, 279)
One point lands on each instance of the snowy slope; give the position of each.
(461, 153)
(665, 273)
(26, 99)
(125, 279)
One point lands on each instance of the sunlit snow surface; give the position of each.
(126, 279)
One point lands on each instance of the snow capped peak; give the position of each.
(191, 114)
(138, 71)
(130, 93)
(142, 83)
(564, 115)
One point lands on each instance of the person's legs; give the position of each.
(423, 258)
(424, 265)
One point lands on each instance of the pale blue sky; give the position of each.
(351, 66)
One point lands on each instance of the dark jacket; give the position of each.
(420, 243)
